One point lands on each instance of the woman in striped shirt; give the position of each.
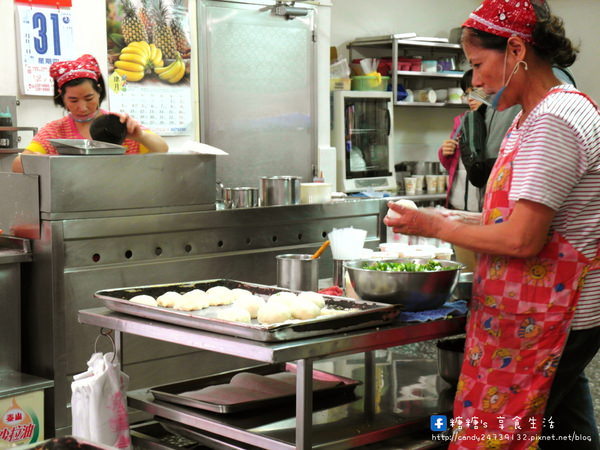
(80, 89)
(534, 321)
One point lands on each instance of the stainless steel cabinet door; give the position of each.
(257, 91)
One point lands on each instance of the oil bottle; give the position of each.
(6, 136)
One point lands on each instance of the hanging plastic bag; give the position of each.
(98, 403)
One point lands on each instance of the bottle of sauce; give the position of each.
(6, 136)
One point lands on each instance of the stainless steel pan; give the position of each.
(356, 313)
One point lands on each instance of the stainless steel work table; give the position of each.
(303, 352)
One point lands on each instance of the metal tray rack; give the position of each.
(363, 426)
(171, 392)
(359, 314)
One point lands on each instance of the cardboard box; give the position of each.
(22, 419)
(339, 84)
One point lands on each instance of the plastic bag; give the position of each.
(98, 403)
(339, 69)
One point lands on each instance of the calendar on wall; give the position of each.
(44, 36)
(165, 110)
(149, 56)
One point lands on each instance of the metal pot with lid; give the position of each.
(280, 190)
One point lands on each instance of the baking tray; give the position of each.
(365, 314)
(86, 147)
(171, 393)
(66, 442)
(203, 437)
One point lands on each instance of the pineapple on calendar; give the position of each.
(149, 51)
(148, 42)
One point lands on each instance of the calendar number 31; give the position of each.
(40, 23)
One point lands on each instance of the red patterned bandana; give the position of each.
(504, 18)
(84, 67)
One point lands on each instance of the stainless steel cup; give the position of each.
(228, 197)
(219, 192)
(298, 272)
(338, 273)
(240, 197)
(283, 190)
(244, 197)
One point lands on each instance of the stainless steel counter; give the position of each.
(274, 352)
(362, 428)
(100, 186)
(110, 221)
(14, 383)
(76, 257)
(13, 252)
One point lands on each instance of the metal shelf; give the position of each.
(303, 351)
(367, 131)
(275, 429)
(412, 74)
(13, 150)
(34, 129)
(393, 44)
(431, 105)
(387, 41)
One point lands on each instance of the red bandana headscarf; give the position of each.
(84, 67)
(504, 18)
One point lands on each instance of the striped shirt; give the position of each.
(558, 165)
(65, 128)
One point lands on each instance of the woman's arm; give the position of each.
(153, 142)
(523, 235)
(473, 218)
(447, 152)
(17, 164)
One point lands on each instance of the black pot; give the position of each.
(108, 128)
(450, 357)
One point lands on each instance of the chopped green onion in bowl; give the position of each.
(409, 266)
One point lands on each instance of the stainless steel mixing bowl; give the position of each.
(414, 291)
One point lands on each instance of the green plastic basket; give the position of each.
(369, 83)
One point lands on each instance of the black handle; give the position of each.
(389, 120)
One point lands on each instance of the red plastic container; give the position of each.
(404, 64)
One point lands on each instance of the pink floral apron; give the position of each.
(519, 321)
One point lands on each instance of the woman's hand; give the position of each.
(134, 128)
(523, 235)
(422, 222)
(153, 142)
(449, 147)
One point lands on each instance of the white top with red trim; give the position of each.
(558, 165)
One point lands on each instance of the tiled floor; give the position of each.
(593, 374)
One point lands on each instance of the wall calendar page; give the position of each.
(149, 58)
(44, 36)
(165, 110)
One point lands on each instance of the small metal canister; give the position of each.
(298, 272)
(244, 197)
(240, 197)
(280, 190)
